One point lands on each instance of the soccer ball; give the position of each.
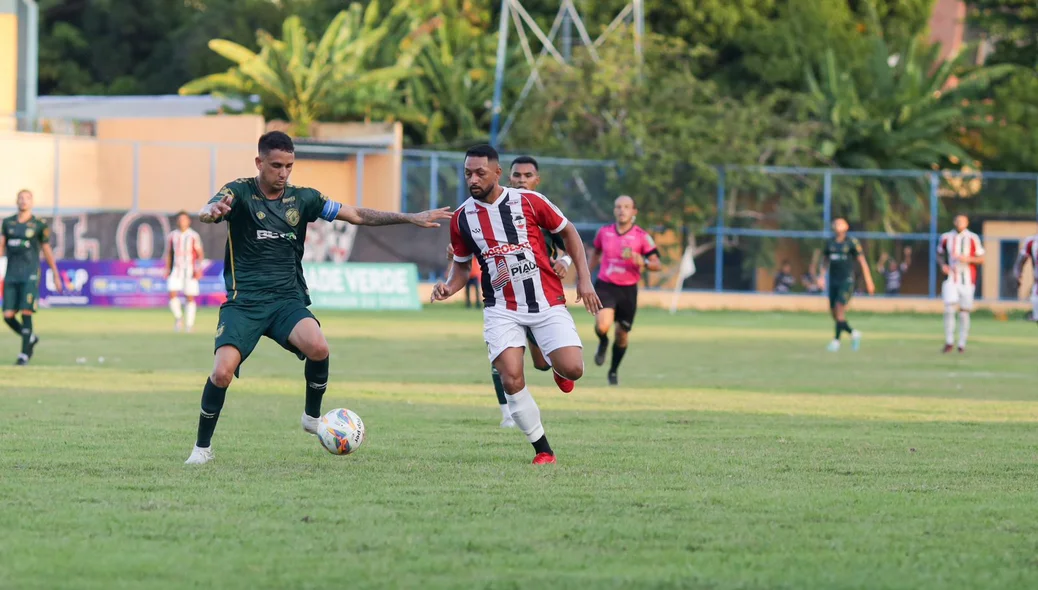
(341, 431)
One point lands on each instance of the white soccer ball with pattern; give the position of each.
(341, 431)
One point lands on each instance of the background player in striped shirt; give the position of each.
(502, 228)
(959, 252)
(624, 251)
(183, 257)
(1029, 252)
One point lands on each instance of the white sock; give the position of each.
(964, 328)
(505, 412)
(190, 314)
(174, 306)
(526, 414)
(949, 326)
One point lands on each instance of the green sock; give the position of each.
(14, 325)
(212, 402)
(499, 387)
(26, 333)
(316, 373)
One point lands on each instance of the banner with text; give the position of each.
(362, 285)
(113, 283)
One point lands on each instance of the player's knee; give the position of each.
(8, 314)
(318, 350)
(572, 370)
(513, 381)
(621, 338)
(222, 377)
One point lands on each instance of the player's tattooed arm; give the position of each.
(365, 216)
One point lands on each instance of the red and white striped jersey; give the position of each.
(507, 240)
(1030, 250)
(965, 243)
(183, 248)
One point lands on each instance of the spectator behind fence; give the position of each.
(893, 272)
(784, 280)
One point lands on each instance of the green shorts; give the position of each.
(21, 296)
(242, 323)
(840, 293)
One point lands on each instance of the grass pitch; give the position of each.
(737, 453)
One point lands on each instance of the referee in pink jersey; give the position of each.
(622, 251)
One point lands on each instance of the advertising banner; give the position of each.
(113, 283)
(362, 286)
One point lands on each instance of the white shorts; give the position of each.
(958, 295)
(553, 329)
(182, 280)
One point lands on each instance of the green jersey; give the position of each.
(265, 238)
(842, 258)
(23, 242)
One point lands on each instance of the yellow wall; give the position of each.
(176, 165)
(8, 65)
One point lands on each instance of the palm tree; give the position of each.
(899, 110)
(339, 73)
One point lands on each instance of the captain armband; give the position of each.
(330, 210)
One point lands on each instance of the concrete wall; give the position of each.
(8, 69)
(180, 162)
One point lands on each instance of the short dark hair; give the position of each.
(275, 140)
(526, 160)
(483, 151)
(182, 212)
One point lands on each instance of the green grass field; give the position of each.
(736, 454)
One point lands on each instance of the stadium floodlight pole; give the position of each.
(499, 72)
(639, 30)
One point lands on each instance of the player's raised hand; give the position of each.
(440, 292)
(586, 293)
(431, 217)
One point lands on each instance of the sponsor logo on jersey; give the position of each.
(262, 234)
(523, 269)
(261, 216)
(292, 216)
(289, 200)
(29, 233)
(501, 277)
(506, 249)
(219, 330)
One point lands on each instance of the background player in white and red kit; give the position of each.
(1029, 251)
(959, 252)
(183, 257)
(501, 228)
(624, 251)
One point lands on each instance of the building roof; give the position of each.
(89, 108)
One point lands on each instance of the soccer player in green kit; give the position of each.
(23, 236)
(840, 253)
(266, 292)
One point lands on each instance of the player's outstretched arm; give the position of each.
(214, 211)
(456, 279)
(585, 288)
(365, 216)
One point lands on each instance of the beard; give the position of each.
(478, 192)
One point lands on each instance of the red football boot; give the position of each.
(544, 458)
(564, 384)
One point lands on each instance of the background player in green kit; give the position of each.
(23, 236)
(263, 272)
(839, 256)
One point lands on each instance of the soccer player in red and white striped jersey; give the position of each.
(501, 228)
(959, 252)
(183, 255)
(1029, 251)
